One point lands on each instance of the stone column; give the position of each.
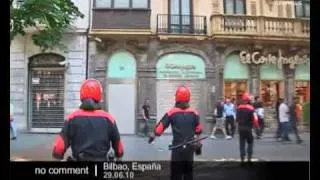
(289, 85)
(146, 84)
(92, 55)
(254, 80)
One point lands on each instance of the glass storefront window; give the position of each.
(302, 91)
(234, 89)
(270, 91)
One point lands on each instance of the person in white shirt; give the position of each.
(284, 120)
(12, 124)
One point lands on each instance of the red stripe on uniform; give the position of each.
(199, 129)
(159, 129)
(59, 146)
(96, 113)
(255, 121)
(120, 149)
(178, 110)
(246, 106)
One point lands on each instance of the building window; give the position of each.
(122, 4)
(140, 4)
(234, 6)
(302, 8)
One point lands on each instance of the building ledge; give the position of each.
(120, 32)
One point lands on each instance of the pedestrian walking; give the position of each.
(246, 119)
(230, 113)
(278, 132)
(146, 116)
(89, 130)
(260, 113)
(12, 123)
(185, 124)
(219, 119)
(295, 118)
(284, 120)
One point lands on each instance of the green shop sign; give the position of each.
(180, 66)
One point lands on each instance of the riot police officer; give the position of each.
(185, 124)
(246, 118)
(89, 130)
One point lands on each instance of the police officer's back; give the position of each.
(246, 119)
(185, 124)
(89, 131)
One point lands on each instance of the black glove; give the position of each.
(198, 149)
(151, 138)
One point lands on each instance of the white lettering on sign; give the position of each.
(279, 60)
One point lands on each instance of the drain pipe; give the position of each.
(87, 58)
(87, 35)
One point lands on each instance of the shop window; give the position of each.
(234, 89)
(270, 91)
(302, 91)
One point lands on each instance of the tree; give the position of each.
(51, 18)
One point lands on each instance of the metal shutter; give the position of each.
(47, 97)
(166, 90)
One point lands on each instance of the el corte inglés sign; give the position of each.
(278, 60)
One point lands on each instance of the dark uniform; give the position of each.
(89, 131)
(246, 119)
(185, 125)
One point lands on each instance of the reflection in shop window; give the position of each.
(234, 89)
(271, 91)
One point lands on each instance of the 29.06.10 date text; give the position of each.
(118, 175)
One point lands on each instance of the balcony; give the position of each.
(179, 25)
(260, 28)
(115, 23)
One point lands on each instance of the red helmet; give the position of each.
(183, 94)
(91, 89)
(246, 97)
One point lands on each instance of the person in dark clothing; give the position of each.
(294, 119)
(278, 132)
(247, 119)
(260, 113)
(185, 124)
(89, 130)
(219, 119)
(146, 115)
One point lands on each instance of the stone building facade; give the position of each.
(44, 87)
(147, 49)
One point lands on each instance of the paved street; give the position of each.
(39, 147)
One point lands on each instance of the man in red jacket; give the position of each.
(246, 118)
(185, 124)
(89, 131)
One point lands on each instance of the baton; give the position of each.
(187, 143)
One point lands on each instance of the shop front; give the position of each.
(176, 69)
(235, 76)
(271, 84)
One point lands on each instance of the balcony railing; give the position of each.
(260, 26)
(181, 24)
